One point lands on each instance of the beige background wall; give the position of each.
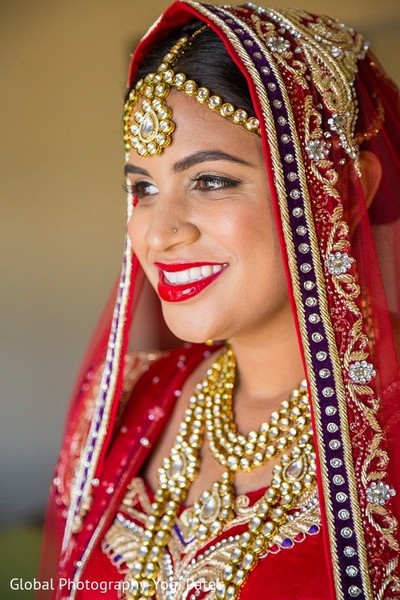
(63, 68)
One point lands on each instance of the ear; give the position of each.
(371, 174)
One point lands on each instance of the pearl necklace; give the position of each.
(210, 412)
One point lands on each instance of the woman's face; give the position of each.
(203, 228)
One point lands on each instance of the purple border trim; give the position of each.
(106, 378)
(96, 436)
(339, 492)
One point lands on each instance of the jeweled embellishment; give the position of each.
(339, 263)
(336, 52)
(294, 469)
(338, 123)
(177, 465)
(151, 126)
(318, 149)
(211, 507)
(361, 372)
(210, 414)
(379, 493)
(278, 45)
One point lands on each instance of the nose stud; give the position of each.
(175, 230)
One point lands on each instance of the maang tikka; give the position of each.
(148, 124)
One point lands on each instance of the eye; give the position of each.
(141, 189)
(214, 182)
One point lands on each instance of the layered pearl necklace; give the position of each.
(287, 435)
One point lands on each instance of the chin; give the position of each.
(192, 332)
(195, 322)
(192, 337)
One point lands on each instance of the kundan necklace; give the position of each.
(210, 413)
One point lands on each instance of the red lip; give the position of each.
(184, 291)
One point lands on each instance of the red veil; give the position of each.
(319, 95)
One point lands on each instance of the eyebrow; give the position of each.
(191, 160)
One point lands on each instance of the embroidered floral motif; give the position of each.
(318, 149)
(361, 372)
(155, 414)
(278, 44)
(338, 263)
(379, 493)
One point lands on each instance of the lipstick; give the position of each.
(181, 281)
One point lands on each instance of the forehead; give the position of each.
(198, 128)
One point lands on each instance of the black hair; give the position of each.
(206, 61)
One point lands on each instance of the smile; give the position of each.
(181, 281)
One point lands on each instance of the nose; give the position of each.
(170, 225)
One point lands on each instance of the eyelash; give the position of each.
(202, 182)
(137, 188)
(223, 182)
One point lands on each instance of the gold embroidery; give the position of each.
(190, 563)
(322, 169)
(362, 395)
(330, 52)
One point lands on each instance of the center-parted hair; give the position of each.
(206, 61)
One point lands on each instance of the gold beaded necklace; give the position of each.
(210, 413)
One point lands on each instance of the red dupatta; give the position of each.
(319, 94)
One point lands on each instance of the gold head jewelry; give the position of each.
(148, 123)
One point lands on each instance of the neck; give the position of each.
(269, 363)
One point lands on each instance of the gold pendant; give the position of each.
(214, 509)
(151, 125)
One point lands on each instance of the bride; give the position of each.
(234, 430)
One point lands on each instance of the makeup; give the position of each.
(181, 281)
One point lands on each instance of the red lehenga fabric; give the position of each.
(306, 76)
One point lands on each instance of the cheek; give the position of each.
(136, 233)
(252, 233)
(259, 257)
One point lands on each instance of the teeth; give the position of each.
(183, 276)
(206, 271)
(192, 274)
(172, 278)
